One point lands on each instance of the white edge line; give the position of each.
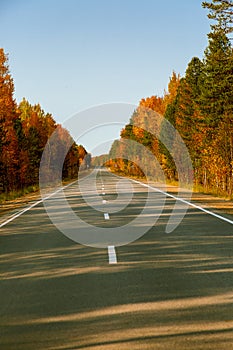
(186, 202)
(112, 258)
(21, 212)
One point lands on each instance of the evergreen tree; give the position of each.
(216, 98)
(221, 11)
(216, 93)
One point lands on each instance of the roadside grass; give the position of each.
(16, 194)
(197, 188)
(9, 196)
(212, 191)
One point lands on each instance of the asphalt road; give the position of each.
(162, 291)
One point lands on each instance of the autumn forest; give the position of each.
(199, 106)
(24, 131)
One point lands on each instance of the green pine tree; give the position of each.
(221, 11)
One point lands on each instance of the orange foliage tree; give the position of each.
(24, 132)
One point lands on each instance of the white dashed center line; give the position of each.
(112, 255)
(106, 216)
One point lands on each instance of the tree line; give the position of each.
(24, 132)
(200, 106)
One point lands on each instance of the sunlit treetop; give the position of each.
(221, 11)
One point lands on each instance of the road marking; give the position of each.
(21, 212)
(106, 216)
(186, 202)
(112, 255)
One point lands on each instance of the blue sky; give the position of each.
(69, 55)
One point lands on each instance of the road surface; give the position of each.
(162, 291)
